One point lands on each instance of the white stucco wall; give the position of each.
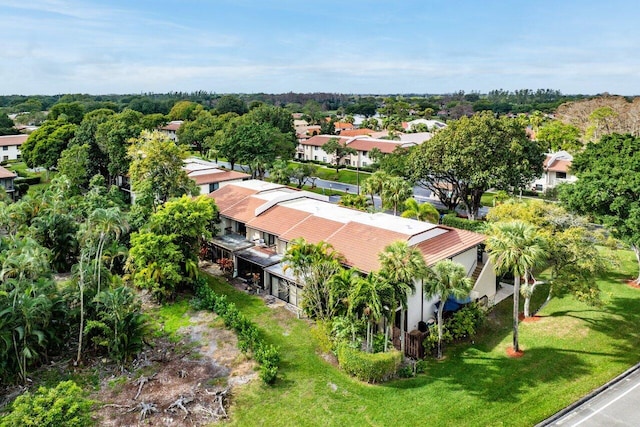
(467, 259)
(11, 152)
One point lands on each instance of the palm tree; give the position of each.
(400, 266)
(313, 265)
(367, 299)
(420, 211)
(515, 247)
(374, 185)
(395, 191)
(104, 222)
(446, 278)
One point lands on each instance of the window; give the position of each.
(316, 148)
(5, 148)
(364, 164)
(5, 157)
(315, 157)
(561, 175)
(214, 186)
(241, 228)
(324, 159)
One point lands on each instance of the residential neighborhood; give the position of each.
(278, 214)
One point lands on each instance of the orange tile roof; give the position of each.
(448, 244)
(278, 219)
(558, 165)
(320, 140)
(356, 132)
(244, 210)
(361, 244)
(5, 173)
(8, 140)
(227, 196)
(313, 228)
(212, 177)
(369, 144)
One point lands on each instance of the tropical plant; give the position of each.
(420, 211)
(515, 247)
(400, 266)
(446, 278)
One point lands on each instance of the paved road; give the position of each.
(616, 404)
(420, 194)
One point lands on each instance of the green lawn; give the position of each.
(573, 349)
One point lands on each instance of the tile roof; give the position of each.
(277, 220)
(172, 126)
(558, 166)
(356, 132)
(448, 244)
(8, 140)
(360, 244)
(365, 144)
(227, 196)
(314, 229)
(320, 140)
(5, 173)
(244, 210)
(217, 175)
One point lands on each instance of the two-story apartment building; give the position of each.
(311, 149)
(10, 146)
(260, 219)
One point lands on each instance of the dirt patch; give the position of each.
(633, 284)
(178, 383)
(531, 319)
(512, 353)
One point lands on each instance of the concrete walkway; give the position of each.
(503, 293)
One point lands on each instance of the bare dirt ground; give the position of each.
(178, 384)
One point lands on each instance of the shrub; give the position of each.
(369, 367)
(268, 356)
(452, 220)
(421, 366)
(63, 405)
(321, 331)
(31, 180)
(465, 322)
(405, 372)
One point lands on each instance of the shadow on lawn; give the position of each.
(500, 378)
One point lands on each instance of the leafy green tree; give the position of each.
(420, 211)
(86, 135)
(338, 150)
(515, 247)
(446, 278)
(7, 126)
(400, 266)
(45, 145)
(72, 112)
(277, 117)
(608, 188)
(231, 104)
(153, 121)
(74, 164)
(154, 263)
(280, 172)
(474, 154)
(560, 136)
(113, 136)
(185, 110)
(199, 133)
(367, 298)
(156, 169)
(313, 265)
(302, 173)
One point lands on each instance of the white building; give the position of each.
(10, 146)
(557, 170)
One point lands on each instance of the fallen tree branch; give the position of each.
(141, 382)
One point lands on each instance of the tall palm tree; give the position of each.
(367, 300)
(374, 185)
(395, 191)
(420, 211)
(313, 265)
(104, 222)
(400, 266)
(446, 278)
(515, 247)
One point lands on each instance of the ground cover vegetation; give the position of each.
(78, 227)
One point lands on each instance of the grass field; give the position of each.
(571, 350)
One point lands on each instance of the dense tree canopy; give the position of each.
(474, 154)
(44, 145)
(608, 186)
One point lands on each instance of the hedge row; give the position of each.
(369, 367)
(249, 338)
(31, 180)
(452, 220)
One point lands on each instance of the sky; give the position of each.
(352, 47)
